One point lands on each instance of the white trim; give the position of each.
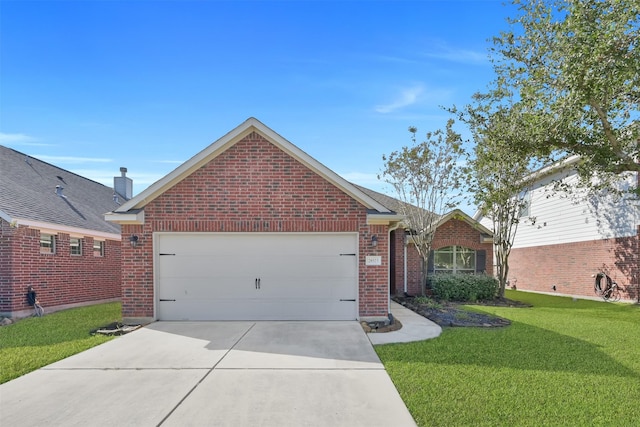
(228, 140)
(48, 227)
(554, 167)
(6, 216)
(383, 219)
(458, 214)
(125, 218)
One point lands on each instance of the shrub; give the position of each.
(430, 303)
(464, 287)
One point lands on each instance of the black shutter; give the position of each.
(430, 267)
(481, 261)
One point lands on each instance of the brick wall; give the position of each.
(414, 271)
(59, 279)
(569, 267)
(252, 187)
(453, 232)
(397, 256)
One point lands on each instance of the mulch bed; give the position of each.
(450, 313)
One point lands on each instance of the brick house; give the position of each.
(53, 236)
(460, 245)
(253, 228)
(566, 238)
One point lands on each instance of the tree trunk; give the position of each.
(425, 277)
(503, 271)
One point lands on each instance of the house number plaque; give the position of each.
(373, 260)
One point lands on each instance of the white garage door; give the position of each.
(275, 276)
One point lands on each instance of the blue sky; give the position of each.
(94, 85)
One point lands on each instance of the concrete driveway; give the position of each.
(214, 374)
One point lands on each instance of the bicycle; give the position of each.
(609, 291)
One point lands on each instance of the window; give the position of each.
(454, 259)
(524, 198)
(76, 246)
(98, 248)
(47, 244)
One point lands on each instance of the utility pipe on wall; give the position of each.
(405, 266)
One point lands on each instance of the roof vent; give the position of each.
(116, 199)
(59, 189)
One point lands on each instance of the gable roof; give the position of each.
(394, 204)
(131, 211)
(460, 215)
(388, 201)
(28, 196)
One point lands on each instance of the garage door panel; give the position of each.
(203, 309)
(212, 276)
(289, 290)
(320, 268)
(184, 265)
(204, 287)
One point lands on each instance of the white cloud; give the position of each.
(71, 159)
(463, 56)
(20, 139)
(145, 178)
(406, 97)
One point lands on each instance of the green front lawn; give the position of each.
(38, 341)
(560, 363)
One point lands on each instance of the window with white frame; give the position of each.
(525, 203)
(76, 245)
(98, 248)
(47, 243)
(454, 259)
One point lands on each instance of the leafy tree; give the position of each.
(498, 176)
(426, 177)
(574, 68)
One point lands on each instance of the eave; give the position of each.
(48, 227)
(134, 216)
(375, 218)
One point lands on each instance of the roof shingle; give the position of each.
(28, 191)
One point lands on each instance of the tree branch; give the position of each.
(606, 125)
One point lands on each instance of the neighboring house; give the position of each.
(253, 228)
(53, 236)
(460, 245)
(565, 238)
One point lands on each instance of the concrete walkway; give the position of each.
(214, 374)
(414, 328)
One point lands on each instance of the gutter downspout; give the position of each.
(405, 265)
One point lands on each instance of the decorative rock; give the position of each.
(6, 321)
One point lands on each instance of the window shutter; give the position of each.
(481, 261)
(430, 267)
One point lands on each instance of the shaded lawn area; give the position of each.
(34, 342)
(560, 363)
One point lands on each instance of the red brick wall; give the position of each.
(398, 258)
(252, 187)
(414, 271)
(570, 266)
(59, 279)
(453, 232)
